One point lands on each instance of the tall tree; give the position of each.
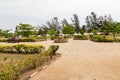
(65, 22)
(88, 25)
(53, 24)
(76, 23)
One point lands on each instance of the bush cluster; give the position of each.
(60, 40)
(12, 70)
(3, 39)
(41, 38)
(28, 40)
(54, 37)
(52, 50)
(67, 37)
(80, 37)
(21, 48)
(99, 38)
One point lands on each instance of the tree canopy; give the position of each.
(25, 29)
(68, 29)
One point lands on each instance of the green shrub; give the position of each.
(41, 38)
(3, 39)
(60, 40)
(117, 40)
(27, 40)
(11, 71)
(67, 37)
(52, 50)
(99, 38)
(108, 40)
(54, 37)
(80, 37)
(22, 48)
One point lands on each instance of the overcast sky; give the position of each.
(37, 12)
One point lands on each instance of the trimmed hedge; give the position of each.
(21, 48)
(67, 37)
(28, 40)
(54, 37)
(12, 70)
(99, 38)
(80, 37)
(3, 39)
(61, 40)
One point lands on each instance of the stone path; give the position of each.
(83, 60)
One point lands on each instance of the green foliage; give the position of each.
(6, 33)
(25, 30)
(52, 50)
(52, 32)
(83, 30)
(60, 40)
(68, 29)
(13, 69)
(108, 40)
(67, 37)
(3, 39)
(8, 72)
(76, 23)
(28, 39)
(80, 37)
(21, 48)
(99, 38)
(112, 27)
(95, 32)
(54, 37)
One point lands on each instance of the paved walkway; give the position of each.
(84, 60)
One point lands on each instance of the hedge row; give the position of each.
(80, 37)
(99, 38)
(28, 40)
(60, 40)
(3, 39)
(54, 37)
(12, 70)
(21, 48)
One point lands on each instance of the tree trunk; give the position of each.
(114, 36)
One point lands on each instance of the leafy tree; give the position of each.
(76, 23)
(68, 29)
(6, 33)
(25, 29)
(114, 27)
(52, 32)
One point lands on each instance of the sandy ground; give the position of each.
(83, 60)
